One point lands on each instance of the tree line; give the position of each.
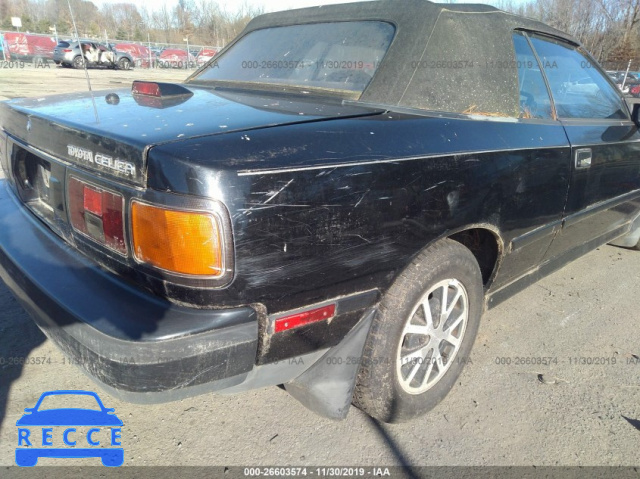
(609, 29)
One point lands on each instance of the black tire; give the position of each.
(124, 64)
(78, 62)
(379, 391)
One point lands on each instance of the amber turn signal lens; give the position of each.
(178, 241)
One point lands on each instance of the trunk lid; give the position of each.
(110, 132)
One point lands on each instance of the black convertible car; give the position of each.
(330, 203)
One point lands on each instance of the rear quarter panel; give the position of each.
(334, 207)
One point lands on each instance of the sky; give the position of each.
(268, 5)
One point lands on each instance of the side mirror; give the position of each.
(635, 113)
(634, 108)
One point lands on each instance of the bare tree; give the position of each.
(607, 28)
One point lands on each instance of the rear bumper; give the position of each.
(132, 342)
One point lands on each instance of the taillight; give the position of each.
(98, 214)
(145, 88)
(183, 242)
(67, 50)
(159, 90)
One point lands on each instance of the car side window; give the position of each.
(578, 87)
(534, 96)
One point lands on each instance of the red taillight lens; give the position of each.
(306, 317)
(93, 201)
(145, 88)
(67, 50)
(98, 214)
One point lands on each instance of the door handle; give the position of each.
(583, 158)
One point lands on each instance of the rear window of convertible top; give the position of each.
(340, 56)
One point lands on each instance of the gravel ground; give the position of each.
(28, 81)
(569, 412)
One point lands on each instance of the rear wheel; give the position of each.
(422, 335)
(124, 64)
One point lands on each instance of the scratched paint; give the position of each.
(324, 207)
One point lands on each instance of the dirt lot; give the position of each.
(582, 408)
(28, 81)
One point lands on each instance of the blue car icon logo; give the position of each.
(39, 423)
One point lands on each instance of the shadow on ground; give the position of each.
(18, 337)
(395, 448)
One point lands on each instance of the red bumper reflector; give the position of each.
(306, 317)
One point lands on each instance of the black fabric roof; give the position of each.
(447, 57)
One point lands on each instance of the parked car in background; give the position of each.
(205, 55)
(634, 90)
(28, 47)
(141, 55)
(176, 58)
(68, 54)
(4, 53)
(326, 209)
(628, 78)
(632, 85)
(156, 51)
(624, 80)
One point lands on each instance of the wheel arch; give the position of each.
(483, 240)
(486, 244)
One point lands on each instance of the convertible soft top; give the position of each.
(444, 57)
